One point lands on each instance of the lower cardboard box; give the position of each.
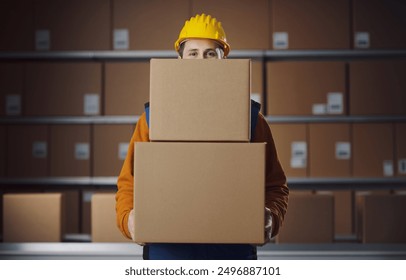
(199, 192)
(380, 217)
(309, 219)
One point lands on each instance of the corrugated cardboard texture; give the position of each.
(153, 24)
(245, 22)
(32, 218)
(63, 161)
(106, 140)
(309, 219)
(75, 24)
(378, 87)
(104, 228)
(11, 82)
(59, 88)
(16, 22)
(322, 145)
(200, 100)
(126, 88)
(372, 145)
(380, 218)
(294, 87)
(199, 192)
(385, 22)
(400, 147)
(284, 135)
(20, 159)
(313, 24)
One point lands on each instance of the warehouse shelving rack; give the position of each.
(257, 55)
(344, 249)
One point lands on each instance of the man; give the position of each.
(203, 37)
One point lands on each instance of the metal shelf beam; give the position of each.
(142, 55)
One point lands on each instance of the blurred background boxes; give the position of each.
(330, 150)
(72, 25)
(377, 87)
(126, 87)
(3, 153)
(11, 88)
(373, 150)
(110, 145)
(306, 88)
(245, 22)
(311, 24)
(400, 132)
(103, 219)
(27, 151)
(379, 24)
(310, 219)
(17, 25)
(63, 89)
(70, 150)
(380, 218)
(344, 213)
(147, 25)
(32, 217)
(292, 148)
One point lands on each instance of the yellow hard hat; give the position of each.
(204, 27)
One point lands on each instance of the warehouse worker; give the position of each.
(203, 37)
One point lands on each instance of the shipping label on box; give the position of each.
(91, 103)
(402, 166)
(319, 109)
(42, 40)
(280, 40)
(299, 154)
(362, 40)
(335, 103)
(122, 150)
(388, 169)
(121, 39)
(343, 150)
(39, 149)
(82, 151)
(13, 104)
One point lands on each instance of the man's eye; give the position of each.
(211, 54)
(193, 54)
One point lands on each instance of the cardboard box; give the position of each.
(373, 150)
(314, 24)
(292, 145)
(104, 226)
(110, 146)
(379, 24)
(200, 100)
(378, 87)
(309, 219)
(11, 88)
(245, 22)
(373, 224)
(148, 25)
(126, 88)
(306, 88)
(219, 197)
(3, 149)
(86, 212)
(63, 89)
(72, 25)
(70, 150)
(330, 150)
(344, 212)
(27, 151)
(16, 25)
(33, 218)
(400, 149)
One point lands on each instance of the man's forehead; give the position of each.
(195, 44)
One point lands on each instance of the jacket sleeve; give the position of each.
(125, 181)
(276, 189)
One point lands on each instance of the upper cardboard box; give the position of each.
(200, 100)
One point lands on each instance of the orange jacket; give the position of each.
(276, 194)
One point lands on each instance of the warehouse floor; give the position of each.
(129, 251)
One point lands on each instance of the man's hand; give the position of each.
(130, 223)
(268, 225)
